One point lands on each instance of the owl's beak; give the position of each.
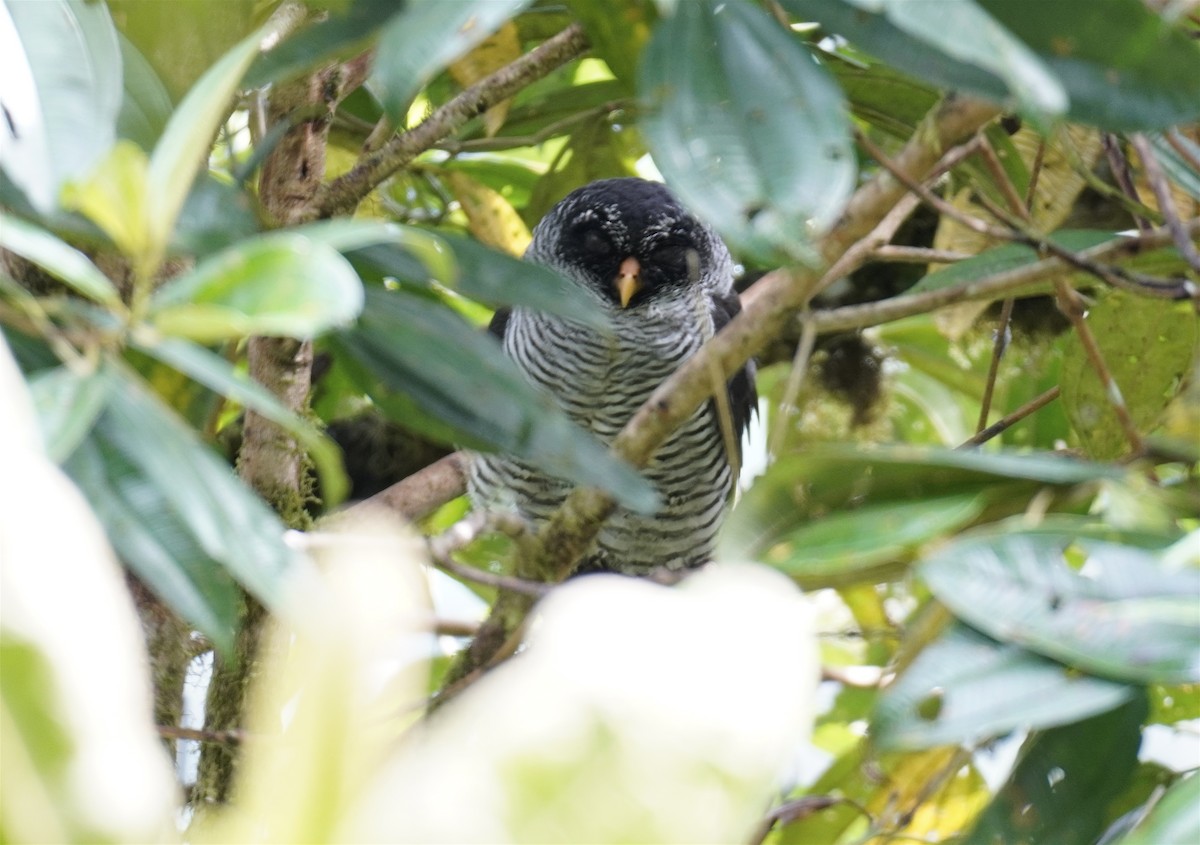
(629, 280)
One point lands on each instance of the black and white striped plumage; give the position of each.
(666, 282)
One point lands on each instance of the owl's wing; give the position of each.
(743, 397)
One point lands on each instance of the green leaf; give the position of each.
(225, 519)
(1001, 259)
(1177, 167)
(746, 127)
(965, 688)
(1173, 820)
(154, 541)
(484, 274)
(452, 371)
(219, 375)
(1064, 781)
(800, 488)
(146, 105)
(60, 260)
(63, 92)
(184, 146)
(281, 284)
(337, 35)
(424, 37)
(846, 547)
(1123, 66)
(68, 404)
(1122, 615)
(1148, 346)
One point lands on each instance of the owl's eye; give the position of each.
(596, 243)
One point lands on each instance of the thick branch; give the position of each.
(347, 191)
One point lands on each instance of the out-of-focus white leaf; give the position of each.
(82, 762)
(639, 713)
(345, 677)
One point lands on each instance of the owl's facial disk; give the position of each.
(630, 240)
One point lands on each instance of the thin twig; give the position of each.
(1185, 152)
(347, 191)
(1119, 165)
(992, 287)
(1000, 177)
(463, 533)
(787, 405)
(998, 346)
(1035, 173)
(898, 254)
(233, 736)
(1010, 420)
(1166, 203)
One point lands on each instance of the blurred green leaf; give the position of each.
(146, 105)
(1122, 65)
(424, 37)
(335, 36)
(1148, 346)
(181, 39)
(219, 375)
(847, 546)
(60, 260)
(965, 688)
(800, 488)
(479, 272)
(222, 516)
(185, 143)
(618, 31)
(154, 540)
(215, 215)
(1178, 168)
(63, 93)
(1123, 615)
(281, 284)
(1173, 820)
(459, 375)
(962, 33)
(1065, 779)
(68, 404)
(746, 127)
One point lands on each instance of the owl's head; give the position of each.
(632, 243)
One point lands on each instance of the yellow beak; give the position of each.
(629, 280)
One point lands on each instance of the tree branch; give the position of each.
(344, 193)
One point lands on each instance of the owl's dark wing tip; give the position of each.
(499, 323)
(743, 396)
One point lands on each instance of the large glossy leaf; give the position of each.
(1122, 615)
(1149, 347)
(484, 274)
(226, 520)
(457, 374)
(281, 284)
(146, 105)
(62, 93)
(346, 27)
(746, 126)
(800, 488)
(154, 541)
(219, 375)
(68, 404)
(1114, 64)
(1064, 781)
(849, 546)
(184, 146)
(424, 37)
(1174, 820)
(967, 688)
(1123, 66)
(61, 260)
